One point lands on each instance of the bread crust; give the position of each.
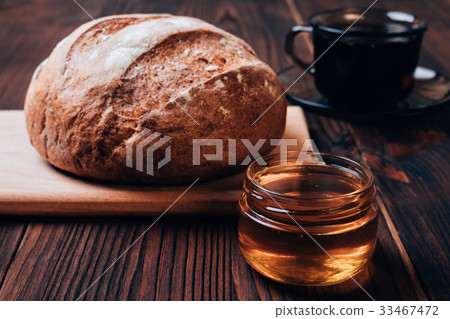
(178, 76)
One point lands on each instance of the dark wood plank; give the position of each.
(11, 234)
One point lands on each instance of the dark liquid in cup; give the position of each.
(366, 72)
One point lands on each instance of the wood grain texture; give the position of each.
(11, 234)
(192, 258)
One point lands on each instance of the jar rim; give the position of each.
(367, 184)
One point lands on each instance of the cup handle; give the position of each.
(289, 47)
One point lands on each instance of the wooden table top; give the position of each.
(198, 258)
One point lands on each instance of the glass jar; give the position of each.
(308, 224)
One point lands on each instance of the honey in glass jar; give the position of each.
(310, 223)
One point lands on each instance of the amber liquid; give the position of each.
(285, 252)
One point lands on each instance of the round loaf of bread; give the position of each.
(125, 89)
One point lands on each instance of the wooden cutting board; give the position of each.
(30, 186)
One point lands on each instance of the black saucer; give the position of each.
(431, 92)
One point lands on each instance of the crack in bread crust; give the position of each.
(167, 76)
